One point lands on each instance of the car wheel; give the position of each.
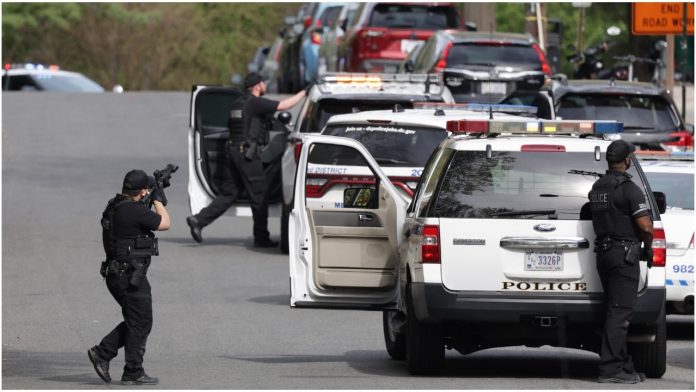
(284, 232)
(425, 349)
(394, 340)
(651, 357)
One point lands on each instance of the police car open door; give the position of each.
(344, 228)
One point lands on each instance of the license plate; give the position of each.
(407, 45)
(543, 261)
(493, 88)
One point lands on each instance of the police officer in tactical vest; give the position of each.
(249, 132)
(622, 220)
(127, 226)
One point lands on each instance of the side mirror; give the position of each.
(298, 28)
(690, 128)
(661, 201)
(344, 25)
(284, 117)
(471, 26)
(360, 198)
(118, 89)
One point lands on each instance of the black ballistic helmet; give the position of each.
(619, 150)
(136, 180)
(252, 79)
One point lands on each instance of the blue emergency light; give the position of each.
(605, 127)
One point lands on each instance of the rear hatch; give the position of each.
(518, 217)
(393, 29)
(493, 69)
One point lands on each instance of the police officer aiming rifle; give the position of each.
(622, 220)
(127, 226)
(249, 123)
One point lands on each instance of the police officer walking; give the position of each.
(248, 126)
(621, 219)
(127, 225)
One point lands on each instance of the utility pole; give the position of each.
(683, 60)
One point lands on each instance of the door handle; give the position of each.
(365, 218)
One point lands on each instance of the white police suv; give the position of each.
(341, 93)
(673, 174)
(494, 249)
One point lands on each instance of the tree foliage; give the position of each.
(142, 46)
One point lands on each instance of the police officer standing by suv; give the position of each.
(127, 225)
(249, 133)
(621, 219)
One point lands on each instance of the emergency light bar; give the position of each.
(362, 78)
(478, 107)
(567, 127)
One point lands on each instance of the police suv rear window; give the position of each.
(636, 112)
(482, 53)
(393, 145)
(326, 108)
(518, 185)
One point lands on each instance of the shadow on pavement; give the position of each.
(46, 366)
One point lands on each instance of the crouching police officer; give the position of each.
(621, 220)
(127, 224)
(249, 123)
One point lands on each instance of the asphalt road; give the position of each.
(221, 313)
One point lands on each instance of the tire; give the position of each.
(651, 358)
(284, 232)
(395, 341)
(425, 349)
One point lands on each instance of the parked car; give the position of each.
(289, 80)
(492, 250)
(650, 117)
(382, 34)
(340, 93)
(300, 57)
(483, 67)
(333, 38)
(269, 67)
(673, 175)
(36, 77)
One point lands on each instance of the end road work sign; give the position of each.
(662, 18)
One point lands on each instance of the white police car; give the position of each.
(493, 249)
(673, 174)
(39, 77)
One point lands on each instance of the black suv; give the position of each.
(648, 112)
(482, 67)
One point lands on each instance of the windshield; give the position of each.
(68, 83)
(677, 187)
(326, 108)
(519, 185)
(486, 53)
(636, 112)
(389, 145)
(414, 16)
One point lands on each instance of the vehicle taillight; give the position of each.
(307, 21)
(542, 57)
(685, 142)
(691, 243)
(298, 150)
(313, 186)
(442, 63)
(430, 244)
(316, 38)
(659, 246)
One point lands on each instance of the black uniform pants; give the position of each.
(620, 282)
(241, 174)
(132, 332)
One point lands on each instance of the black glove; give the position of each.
(158, 195)
(647, 255)
(309, 87)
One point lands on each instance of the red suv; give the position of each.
(382, 34)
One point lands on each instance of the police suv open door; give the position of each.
(343, 254)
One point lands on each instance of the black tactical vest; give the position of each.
(608, 219)
(109, 240)
(235, 121)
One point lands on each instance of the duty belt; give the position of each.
(117, 267)
(608, 242)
